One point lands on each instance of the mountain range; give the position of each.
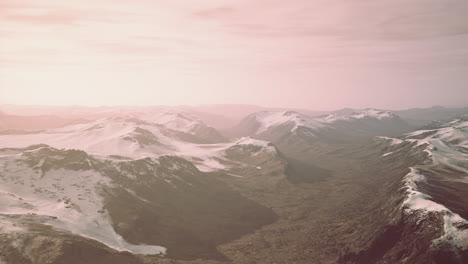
(254, 185)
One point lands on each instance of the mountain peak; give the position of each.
(270, 119)
(373, 113)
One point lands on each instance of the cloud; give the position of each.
(259, 44)
(37, 13)
(216, 12)
(127, 48)
(52, 17)
(353, 20)
(55, 13)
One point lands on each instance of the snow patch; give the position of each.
(373, 113)
(252, 141)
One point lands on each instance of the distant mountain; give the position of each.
(366, 123)
(236, 112)
(183, 122)
(35, 122)
(125, 136)
(222, 117)
(289, 128)
(423, 116)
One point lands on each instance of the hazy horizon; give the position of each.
(319, 55)
(219, 105)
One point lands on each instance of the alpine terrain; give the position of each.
(162, 185)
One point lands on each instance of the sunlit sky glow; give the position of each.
(317, 54)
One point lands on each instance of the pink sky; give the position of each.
(317, 54)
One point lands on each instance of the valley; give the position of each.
(159, 192)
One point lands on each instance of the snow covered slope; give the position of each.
(129, 183)
(127, 137)
(127, 204)
(182, 122)
(111, 136)
(271, 119)
(438, 186)
(123, 136)
(61, 189)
